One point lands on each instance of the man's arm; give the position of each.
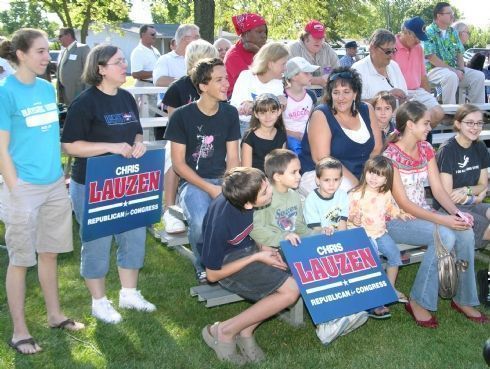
(142, 74)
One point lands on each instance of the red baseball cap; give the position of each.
(315, 28)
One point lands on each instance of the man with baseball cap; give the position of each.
(252, 29)
(350, 54)
(315, 50)
(410, 59)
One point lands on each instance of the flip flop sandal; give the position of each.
(65, 325)
(27, 341)
(380, 312)
(226, 351)
(249, 348)
(401, 297)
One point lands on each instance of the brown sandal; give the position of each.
(226, 351)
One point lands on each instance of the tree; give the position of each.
(204, 18)
(25, 14)
(80, 14)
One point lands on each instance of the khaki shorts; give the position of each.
(37, 219)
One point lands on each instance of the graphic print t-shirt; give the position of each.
(204, 137)
(97, 117)
(30, 114)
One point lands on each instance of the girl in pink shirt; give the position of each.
(371, 204)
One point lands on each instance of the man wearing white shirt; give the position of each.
(378, 71)
(171, 66)
(144, 57)
(143, 60)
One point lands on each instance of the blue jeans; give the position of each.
(425, 287)
(95, 254)
(195, 203)
(389, 249)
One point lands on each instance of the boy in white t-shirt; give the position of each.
(300, 101)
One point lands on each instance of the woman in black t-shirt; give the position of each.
(463, 162)
(104, 120)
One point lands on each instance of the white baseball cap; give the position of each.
(298, 64)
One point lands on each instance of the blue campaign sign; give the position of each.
(338, 275)
(122, 194)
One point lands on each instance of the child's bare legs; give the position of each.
(392, 273)
(246, 322)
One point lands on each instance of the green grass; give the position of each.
(171, 337)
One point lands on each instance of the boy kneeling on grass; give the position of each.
(233, 259)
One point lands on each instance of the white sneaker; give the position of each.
(355, 321)
(332, 329)
(102, 309)
(134, 300)
(172, 224)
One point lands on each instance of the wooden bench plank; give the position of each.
(451, 108)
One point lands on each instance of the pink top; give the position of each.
(411, 62)
(374, 210)
(237, 59)
(413, 172)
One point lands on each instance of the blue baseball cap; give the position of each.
(417, 26)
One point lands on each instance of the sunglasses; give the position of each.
(345, 75)
(388, 51)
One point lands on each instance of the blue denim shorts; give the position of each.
(257, 280)
(95, 254)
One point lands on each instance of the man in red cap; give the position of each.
(252, 30)
(316, 51)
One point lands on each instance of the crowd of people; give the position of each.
(274, 163)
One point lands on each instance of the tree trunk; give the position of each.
(204, 18)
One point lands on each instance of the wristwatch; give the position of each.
(469, 191)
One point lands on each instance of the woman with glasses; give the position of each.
(463, 161)
(341, 126)
(104, 120)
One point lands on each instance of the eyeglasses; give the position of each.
(388, 51)
(220, 49)
(119, 62)
(472, 124)
(445, 13)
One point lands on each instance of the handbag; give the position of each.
(447, 267)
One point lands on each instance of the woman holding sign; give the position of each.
(104, 120)
(414, 164)
(34, 203)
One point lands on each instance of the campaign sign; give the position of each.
(338, 275)
(122, 194)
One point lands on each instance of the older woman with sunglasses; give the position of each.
(378, 71)
(463, 161)
(341, 126)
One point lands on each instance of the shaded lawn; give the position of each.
(171, 337)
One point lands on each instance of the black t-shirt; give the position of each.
(463, 164)
(97, 117)
(181, 92)
(261, 147)
(225, 228)
(204, 136)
